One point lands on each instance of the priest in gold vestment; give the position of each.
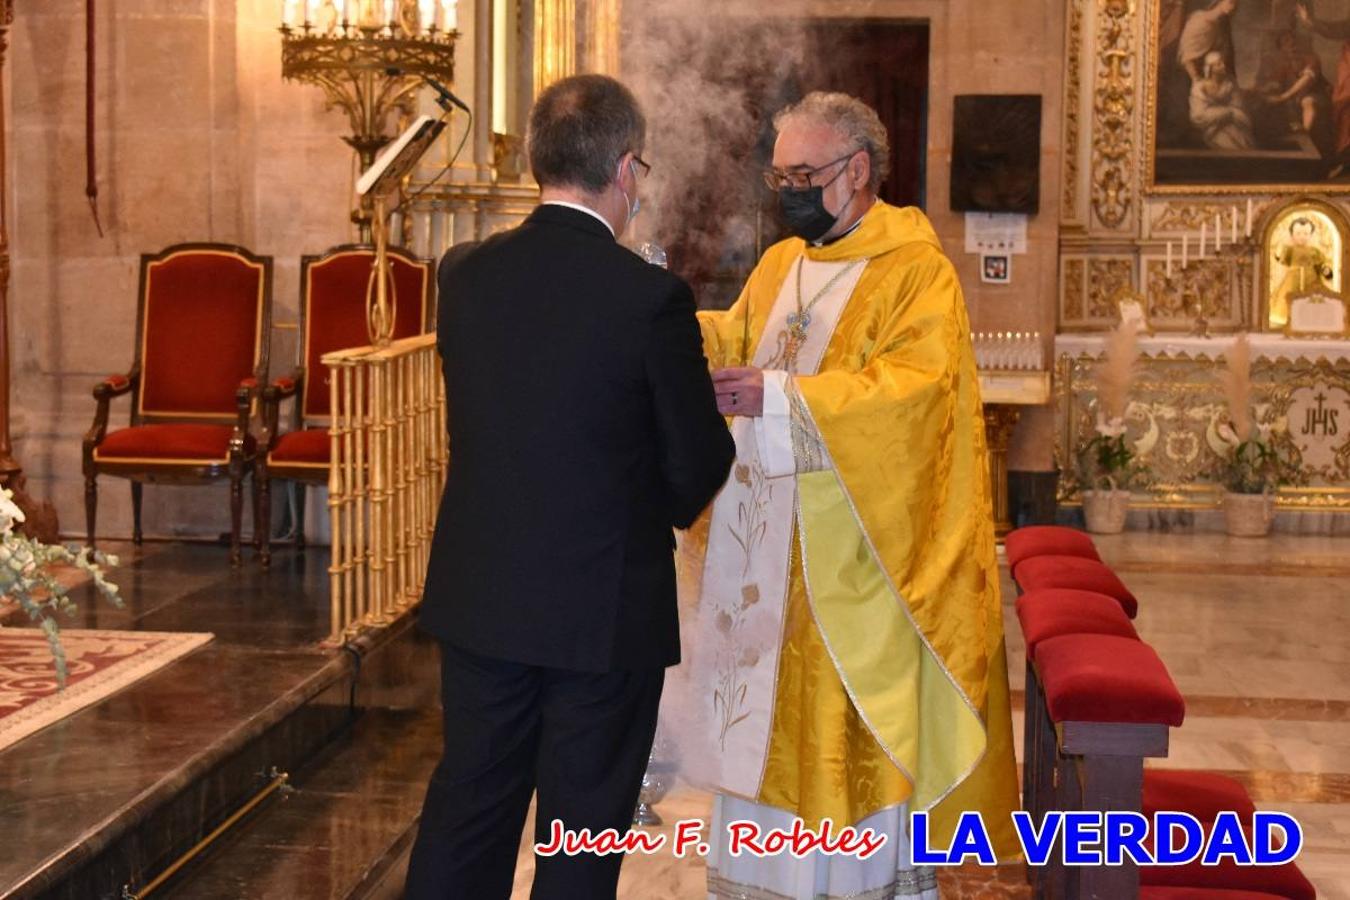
(845, 656)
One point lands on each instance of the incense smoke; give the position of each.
(710, 82)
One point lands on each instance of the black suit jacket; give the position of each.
(583, 427)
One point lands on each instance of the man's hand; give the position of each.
(740, 391)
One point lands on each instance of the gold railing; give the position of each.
(389, 457)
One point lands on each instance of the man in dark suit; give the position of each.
(583, 427)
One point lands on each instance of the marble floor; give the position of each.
(1256, 634)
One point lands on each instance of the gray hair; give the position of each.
(579, 128)
(855, 121)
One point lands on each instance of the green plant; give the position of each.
(26, 577)
(1107, 462)
(1257, 465)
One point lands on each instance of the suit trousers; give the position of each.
(579, 739)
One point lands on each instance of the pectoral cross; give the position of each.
(797, 323)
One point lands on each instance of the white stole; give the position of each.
(743, 599)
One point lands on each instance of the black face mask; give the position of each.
(804, 212)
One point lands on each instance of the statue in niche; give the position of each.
(1304, 246)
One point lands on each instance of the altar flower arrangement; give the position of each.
(1108, 467)
(26, 576)
(1253, 465)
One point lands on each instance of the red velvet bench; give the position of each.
(1044, 614)
(1112, 703)
(1202, 794)
(1047, 540)
(1077, 573)
(1205, 795)
(1286, 881)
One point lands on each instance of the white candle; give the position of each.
(1185, 250)
(426, 15)
(389, 13)
(1169, 260)
(349, 12)
(288, 13)
(1249, 217)
(449, 15)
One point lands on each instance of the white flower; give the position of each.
(1112, 428)
(9, 511)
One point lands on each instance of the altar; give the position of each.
(1301, 390)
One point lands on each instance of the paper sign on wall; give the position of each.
(996, 233)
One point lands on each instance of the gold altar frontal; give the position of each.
(1300, 389)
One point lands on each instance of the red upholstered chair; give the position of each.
(201, 353)
(332, 317)
(1078, 573)
(1047, 540)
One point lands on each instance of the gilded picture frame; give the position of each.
(1239, 96)
(1132, 306)
(1303, 250)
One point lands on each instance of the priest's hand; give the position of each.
(740, 391)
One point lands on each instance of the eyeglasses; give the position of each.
(801, 178)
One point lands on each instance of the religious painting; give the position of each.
(996, 269)
(1248, 95)
(1303, 252)
(1132, 308)
(996, 153)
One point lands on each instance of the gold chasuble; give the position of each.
(891, 683)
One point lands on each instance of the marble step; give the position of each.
(343, 830)
(184, 787)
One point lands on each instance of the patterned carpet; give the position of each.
(99, 663)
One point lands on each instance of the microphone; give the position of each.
(444, 96)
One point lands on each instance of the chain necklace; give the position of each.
(800, 321)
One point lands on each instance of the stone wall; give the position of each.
(198, 139)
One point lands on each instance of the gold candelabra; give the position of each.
(1239, 249)
(369, 57)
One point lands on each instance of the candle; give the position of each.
(426, 15)
(1185, 250)
(1169, 260)
(348, 12)
(1249, 217)
(449, 15)
(1234, 221)
(309, 14)
(288, 13)
(389, 13)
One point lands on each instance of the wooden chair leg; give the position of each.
(136, 491)
(262, 507)
(236, 513)
(299, 515)
(90, 507)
